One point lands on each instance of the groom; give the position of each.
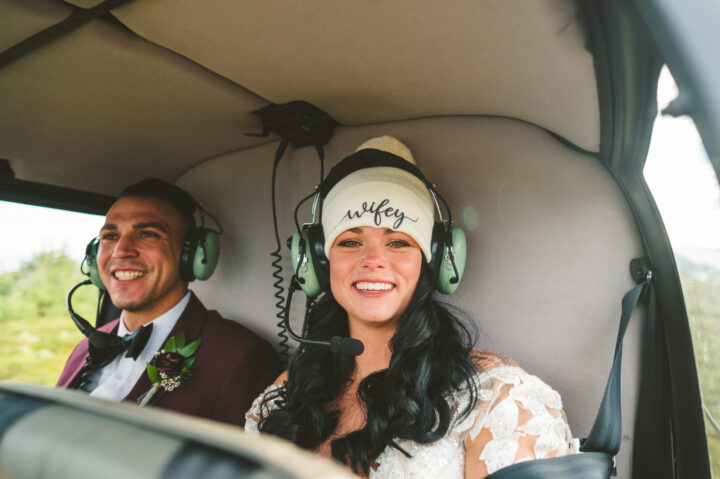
(139, 262)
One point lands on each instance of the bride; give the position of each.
(419, 401)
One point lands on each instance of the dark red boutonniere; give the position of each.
(170, 366)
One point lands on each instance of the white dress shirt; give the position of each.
(116, 380)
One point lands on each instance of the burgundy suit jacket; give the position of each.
(233, 366)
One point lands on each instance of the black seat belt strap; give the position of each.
(587, 465)
(606, 432)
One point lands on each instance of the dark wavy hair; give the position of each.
(172, 194)
(431, 358)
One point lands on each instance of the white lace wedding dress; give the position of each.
(517, 418)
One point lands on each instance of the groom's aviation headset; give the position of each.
(312, 268)
(448, 244)
(198, 259)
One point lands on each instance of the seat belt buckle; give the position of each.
(613, 470)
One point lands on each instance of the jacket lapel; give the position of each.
(191, 322)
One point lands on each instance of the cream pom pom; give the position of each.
(389, 144)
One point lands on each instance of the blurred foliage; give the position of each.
(701, 287)
(37, 332)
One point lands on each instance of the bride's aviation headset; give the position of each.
(311, 266)
(448, 243)
(302, 124)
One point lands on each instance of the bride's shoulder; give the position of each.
(485, 360)
(499, 373)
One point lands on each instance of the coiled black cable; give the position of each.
(277, 259)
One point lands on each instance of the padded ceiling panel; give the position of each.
(369, 61)
(85, 3)
(23, 18)
(99, 108)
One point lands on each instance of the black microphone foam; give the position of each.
(347, 346)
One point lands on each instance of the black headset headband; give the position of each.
(368, 158)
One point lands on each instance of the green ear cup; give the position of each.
(89, 264)
(446, 273)
(200, 254)
(306, 272)
(207, 253)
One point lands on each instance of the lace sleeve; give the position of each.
(519, 418)
(261, 408)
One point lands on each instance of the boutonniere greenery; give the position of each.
(170, 366)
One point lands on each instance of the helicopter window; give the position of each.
(42, 249)
(686, 191)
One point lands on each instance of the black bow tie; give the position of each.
(104, 347)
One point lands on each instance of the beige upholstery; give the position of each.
(103, 106)
(550, 240)
(75, 436)
(58, 434)
(367, 62)
(20, 19)
(119, 111)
